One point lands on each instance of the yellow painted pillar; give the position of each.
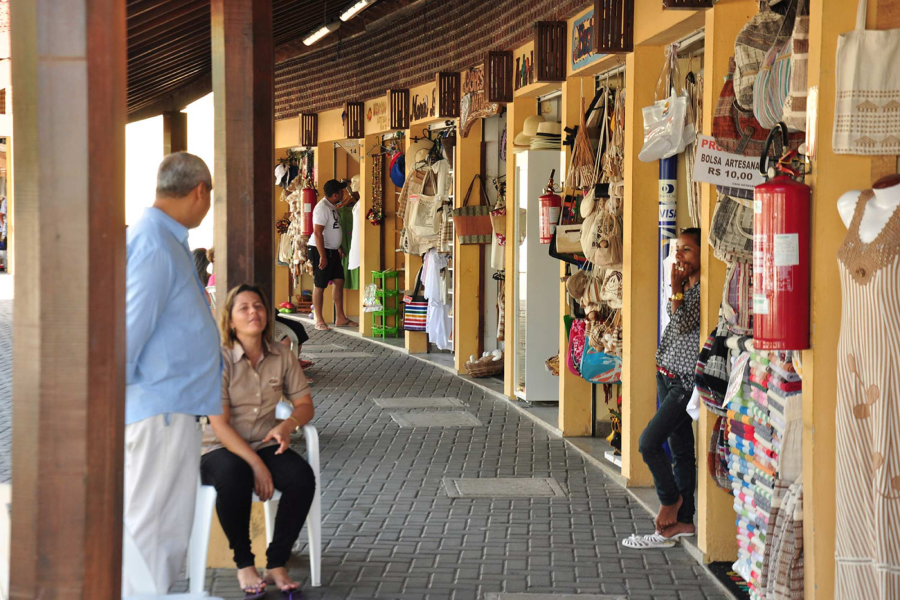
(642, 68)
(715, 513)
(370, 235)
(468, 316)
(516, 113)
(832, 175)
(574, 392)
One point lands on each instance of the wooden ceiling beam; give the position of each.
(178, 99)
(148, 16)
(168, 50)
(166, 81)
(150, 69)
(150, 49)
(386, 9)
(184, 11)
(159, 35)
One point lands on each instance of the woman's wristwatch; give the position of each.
(297, 428)
(677, 297)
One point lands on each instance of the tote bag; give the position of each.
(867, 106)
(423, 215)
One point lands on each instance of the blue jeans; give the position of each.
(671, 422)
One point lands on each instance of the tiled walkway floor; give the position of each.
(391, 531)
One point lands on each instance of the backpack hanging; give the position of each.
(731, 228)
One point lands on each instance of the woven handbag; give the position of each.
(794, 110)
(737, 309)
(717, 454)
(750, 48)
(415, 308)
(737, 131)
(731, 229)
(771, 86)
(611, 293)
(473, 223)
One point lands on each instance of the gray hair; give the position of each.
(179, 173)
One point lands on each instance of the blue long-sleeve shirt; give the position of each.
(174, 351)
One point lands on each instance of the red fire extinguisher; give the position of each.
(308, 199)
(551, 204)
(781, 240)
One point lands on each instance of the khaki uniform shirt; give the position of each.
(252, 394)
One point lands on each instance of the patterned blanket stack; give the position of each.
(764, 405)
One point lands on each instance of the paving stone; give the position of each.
(526, 596)
(307, 348)
(330, 355)
(410, 403)
(456, 418)
(503, 487)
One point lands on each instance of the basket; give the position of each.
(484, 369)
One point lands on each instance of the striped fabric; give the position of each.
(772, 85)
(414, 316)
(867, 541)
(795, 103)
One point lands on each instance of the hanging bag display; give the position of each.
(611, 291)
(736, 130)
(713, 370)
(771, 87)
(473, 223)
(717, 454)
(753, 42)
(423, 215)
(731, 229)
(794, 109)
(867, 101)
(498, 222)
(415, 307)
(600, 367)
(576, 347)
(737, 308)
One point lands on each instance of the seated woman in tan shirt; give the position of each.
(245, 450)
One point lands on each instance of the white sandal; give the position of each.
(653, 540)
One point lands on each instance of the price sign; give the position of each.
(714, 165)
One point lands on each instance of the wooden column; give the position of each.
(174, 132)
(468, 315)
(69, 322)
(370, 235)
(574, 391)
(715, 513)
(516, 113)
(243, 85)
(640, 269)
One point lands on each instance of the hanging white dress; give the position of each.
(438, 325)
(355, 242)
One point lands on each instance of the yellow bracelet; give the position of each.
(677, 297)
(297, 428)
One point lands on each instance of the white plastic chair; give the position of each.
(206, 502)
(136, 572)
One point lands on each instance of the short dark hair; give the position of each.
(332, 187)
(694, 231)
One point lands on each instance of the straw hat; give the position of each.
(549, 129)
(421, 155)
(529, 130)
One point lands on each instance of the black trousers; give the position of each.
(671, 422)
(233, 479)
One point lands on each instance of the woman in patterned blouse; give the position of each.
(676, 359)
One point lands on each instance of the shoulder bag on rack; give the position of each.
(750, 48)
(717, 454)
(415, 307)
(565, 242)
(423, 215)
(737, 131)
(794, 109)
(731, 229)
(867, 103)
(600, 367)
(473, 223)
(712, 372)
(498, 221)
(737, 309)
(576, 347)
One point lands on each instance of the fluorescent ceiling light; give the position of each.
(356, 8)
(321, 32)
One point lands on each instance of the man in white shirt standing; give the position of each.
(326, 254)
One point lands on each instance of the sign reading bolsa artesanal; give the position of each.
(714, 165)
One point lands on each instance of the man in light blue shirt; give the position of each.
(174, 370)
